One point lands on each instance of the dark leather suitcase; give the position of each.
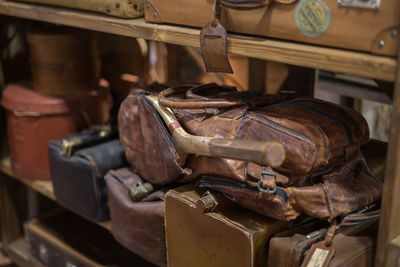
(78, 175)
(65, 239)
(137, 215)
(366, 25)
(227, 236)
(34, 119)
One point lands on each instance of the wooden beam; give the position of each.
(389, 226)
(311, 56)
(257, 75)
(394, 253)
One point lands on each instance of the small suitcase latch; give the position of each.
(367, 4)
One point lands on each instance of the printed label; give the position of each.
(318, 258)
(312, 18)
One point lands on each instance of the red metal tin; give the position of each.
(33, 119)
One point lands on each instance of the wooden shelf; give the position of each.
(44, 187)
(331, 59)
(19, 253)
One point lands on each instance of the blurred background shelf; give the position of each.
(44, 187)
(311, 56)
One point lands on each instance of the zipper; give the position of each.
(296, 134)
(209, 182)
(160, 120)
(326, 115)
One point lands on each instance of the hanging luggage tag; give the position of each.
(322, 252)
(213, 43)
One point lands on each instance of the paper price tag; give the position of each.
(319, 255)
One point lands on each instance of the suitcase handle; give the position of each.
(251, 4)
(264, 153)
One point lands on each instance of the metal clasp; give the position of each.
(367, 4)
(259, 185)
(206, 203)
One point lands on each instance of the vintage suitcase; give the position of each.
(366, 25)
(34, 119)
(65, 239)
(354, 244)
(64, 61)
(78, 173)
(137, 215)
(227, 236)
(122, 8)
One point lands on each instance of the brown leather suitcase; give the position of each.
(64, 61)
(366, 25)
(65, 239)
(137, 224)
(122, 8)
(354, 245)
(34, 119)
(228, 236)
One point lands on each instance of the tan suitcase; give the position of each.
(121, 8)
(351, 24)
(228, 236)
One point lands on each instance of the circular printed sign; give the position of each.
(312, 17)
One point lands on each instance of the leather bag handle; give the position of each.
(196, 97)
(195, 101)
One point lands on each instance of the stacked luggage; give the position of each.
(201, 174)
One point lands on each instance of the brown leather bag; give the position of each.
(318, 137)
(137, 215)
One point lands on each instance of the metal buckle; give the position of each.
(259, 185)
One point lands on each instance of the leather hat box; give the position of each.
(137, 224)
(78, 174)
(228, 236)
(64, 61)
(65, 239)
(370, 26)
(34, 119)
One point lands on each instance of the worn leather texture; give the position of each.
(66, 239)
(276, 19)
(120, 8)
(78, 181)
(342, 191)
(319, 138)
(149, 148)
(138, 226)
(228, 236)
(354, 245)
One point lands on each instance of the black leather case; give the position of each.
(78, 180)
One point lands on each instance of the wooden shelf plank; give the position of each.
(44, 187)
(331, 59)
(19, 253)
